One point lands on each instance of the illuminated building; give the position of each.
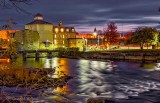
(87, 36)
(7, 35)
(51, 36)
(61, 34)
(4, 34)
(85, 41)
(45, 30)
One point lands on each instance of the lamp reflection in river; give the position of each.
(157, 67)
(92, 82)
(61, 69)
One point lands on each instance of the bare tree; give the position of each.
(9, 4)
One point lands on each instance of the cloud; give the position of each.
(84, 15)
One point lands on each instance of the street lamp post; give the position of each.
(85, 43)
(96, 34)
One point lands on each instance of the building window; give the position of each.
(72, 30)
(56, 30)
(63, 36)
(55, 36)
(67, 30)
(63, 41)
(62, 30)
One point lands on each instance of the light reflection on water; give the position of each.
(98, 78)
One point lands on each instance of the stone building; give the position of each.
(51, 37)
(61, 34)
(45, 30)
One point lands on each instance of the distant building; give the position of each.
(45, 30)
(61, 34)
(85, 36)
(86, 42)
(77, 43)
(5, 34)
(51, 36)
(5, 37)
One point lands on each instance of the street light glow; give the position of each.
(95, 33)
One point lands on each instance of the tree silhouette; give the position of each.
(9, 4)
(111, 34)
(144, 36)
(6, 27)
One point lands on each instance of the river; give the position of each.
(125, 82)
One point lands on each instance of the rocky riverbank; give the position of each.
(31, 78)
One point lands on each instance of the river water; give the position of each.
(125, 82)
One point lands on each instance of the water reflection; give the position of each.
(61, 69)
(98, 78)
(91, 78)
(115, 79)
(157, 67)
(151, 66)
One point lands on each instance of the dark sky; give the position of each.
(85, 15)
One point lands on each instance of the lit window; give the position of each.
(63, 41)
(55, 36)
(72, 30)
(56, 30)
(67, 30)
(63, 36)
(62, 30)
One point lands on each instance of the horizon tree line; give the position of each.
(142, 36)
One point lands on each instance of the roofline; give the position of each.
(38, 24)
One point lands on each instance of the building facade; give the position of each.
(61, 34)
(51, 37)
(86, 42)
(77, 43)
(45, 30)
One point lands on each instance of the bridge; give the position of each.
(110, 55)
(38, 54)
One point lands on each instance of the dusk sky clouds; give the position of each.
(85, 15)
